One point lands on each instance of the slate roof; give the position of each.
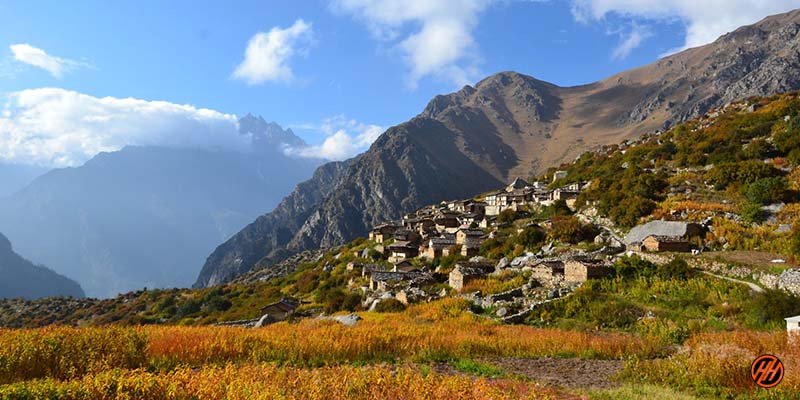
(518, 183)
(657, 228)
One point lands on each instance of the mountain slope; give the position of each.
(512, 125)
(21, 278)
(14, 177)
(147, 216)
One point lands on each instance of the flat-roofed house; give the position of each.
(576, 271)
(382, 232)
(464, 272)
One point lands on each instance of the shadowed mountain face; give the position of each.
(512, 125)
(21, 278)
(148, 216)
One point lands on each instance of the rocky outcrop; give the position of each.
(509, 125)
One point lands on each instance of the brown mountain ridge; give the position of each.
(508, 125)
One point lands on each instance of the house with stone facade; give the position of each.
(577, 271)
(466, 271)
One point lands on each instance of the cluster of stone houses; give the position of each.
(521, 193)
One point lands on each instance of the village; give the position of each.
(403, 260)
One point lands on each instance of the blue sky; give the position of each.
(346, 67)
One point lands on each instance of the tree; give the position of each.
(531, 237)
(752, 212)
(628, 211)
(568, 229)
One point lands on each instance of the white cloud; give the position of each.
(630, 41)
(57, 127)
(37, 57)
(345, 138)
(705, 20)
(439, 42)
(268, 54)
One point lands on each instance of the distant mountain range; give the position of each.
(509, 125)
(148, 216)
(21, 278)
(14, 177)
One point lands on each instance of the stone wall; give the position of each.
(789, 280)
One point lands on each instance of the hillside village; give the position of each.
(517, 250)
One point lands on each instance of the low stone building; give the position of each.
(464, 272)
(381, 280)
(382, 232)
(659, 243)
(401, 250)
(280, 310)
(547, 271)
(576, 271)
(634, 240)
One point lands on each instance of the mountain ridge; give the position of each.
(510, 124)
(145, 216)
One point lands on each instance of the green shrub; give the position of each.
(390, 305)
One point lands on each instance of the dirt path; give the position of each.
(753, 286)
(567, 373)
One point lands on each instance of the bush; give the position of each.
(773, 305)
(752, 212)
(531, 237)
(390, 305)
(767, 190)
(675, 269)
(507, 216)
(570, 230)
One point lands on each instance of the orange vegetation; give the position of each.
(264, 381)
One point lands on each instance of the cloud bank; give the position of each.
(56, 128)
(705, 20)
(268, 54)
(37, 57)
(345, 138)
(435, 37)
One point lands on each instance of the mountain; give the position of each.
(14, 177)
(21, 278)
(509, 125)
(148, 216)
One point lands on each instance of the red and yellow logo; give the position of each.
(766, 371)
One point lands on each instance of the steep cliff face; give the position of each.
(511, 125)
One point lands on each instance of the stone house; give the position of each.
(368, 269)
(657, 243)
(546, 271)
(576, 271)
(280, 310)
(401, 250)
(464, 272)
(381, 280)
(469, 237)
(671, 229)
(382, 232)
(436, 246)
(404, 266)
(446, 222)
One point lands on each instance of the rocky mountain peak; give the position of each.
(268, 133)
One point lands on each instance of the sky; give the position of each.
(78, 78)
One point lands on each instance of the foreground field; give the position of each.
(396, 355)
